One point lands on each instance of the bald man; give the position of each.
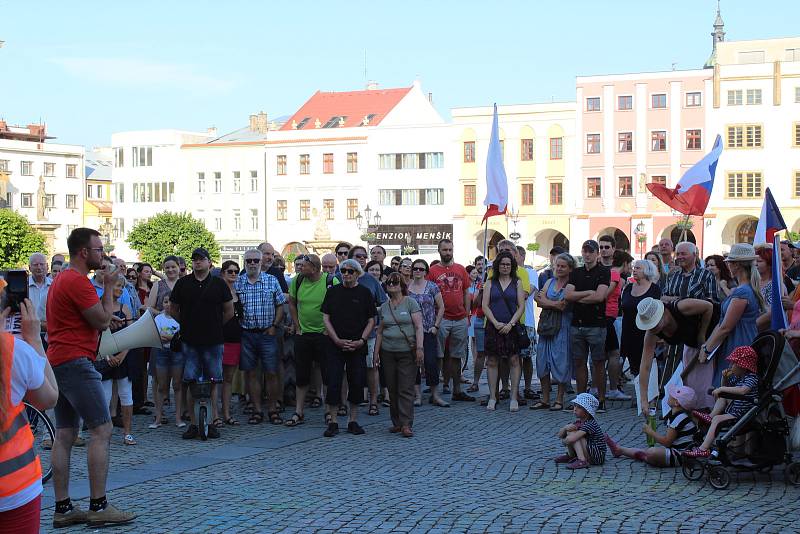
(268, 266)
(329, 264)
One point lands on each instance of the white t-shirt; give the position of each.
(530, 304)
(167, 326)
(27, 372)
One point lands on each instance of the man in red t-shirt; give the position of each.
(75, 316)
(453, 282)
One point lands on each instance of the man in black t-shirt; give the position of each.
(201, 303)
(587, 289)
(268, 266)
(348, 312)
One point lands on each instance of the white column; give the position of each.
(607, 146)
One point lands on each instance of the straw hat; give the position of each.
(588, 402)
(742, 252)
(650, 311)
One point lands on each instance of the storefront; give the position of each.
(410, 239)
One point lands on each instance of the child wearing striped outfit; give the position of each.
(584, 439)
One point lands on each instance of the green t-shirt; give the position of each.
(309, 302)
(393, 338)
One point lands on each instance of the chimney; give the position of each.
(372, 85)
(253, 123)
(212, 131)
(261, 122)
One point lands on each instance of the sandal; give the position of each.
(373, 410)
(231, 421)
(256, 418)
(541, 406)
(473, 388)
(295, 420)
(557, 407)
(154, 425)
(248, 408)
(218, 422)
(275, 418)
(578, 464)
(128, 440)
(328, 418)
(342, 410)
(316, 402)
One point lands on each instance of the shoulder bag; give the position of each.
(550, 319)
(518, 330)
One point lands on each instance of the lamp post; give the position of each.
(641, 238)
(514, 217)
(366, 220)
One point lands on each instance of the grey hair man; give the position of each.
(267, 264)
(38, 286)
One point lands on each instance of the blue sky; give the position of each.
(89, 69)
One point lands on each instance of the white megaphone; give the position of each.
(142, 333)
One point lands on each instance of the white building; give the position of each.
(43, 181)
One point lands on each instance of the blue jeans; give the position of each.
(430, 345)
(202, 361)
(166, 359)
(259, 347)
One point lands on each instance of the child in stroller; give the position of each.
(741, 379)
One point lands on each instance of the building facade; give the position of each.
(97, 206)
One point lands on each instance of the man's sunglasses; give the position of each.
(342, 253)
(347, 271)
(359, 255)
(607, 247)
(252, 260)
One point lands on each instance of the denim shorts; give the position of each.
(479, 331)
(259, 347)
(80, 395)
(166, 359)
(202, 361)
(586, 339)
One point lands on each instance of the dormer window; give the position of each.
(337, 121)
(366, 120)
(303, 123)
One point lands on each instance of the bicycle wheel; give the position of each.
(202, 421)
(44, 433)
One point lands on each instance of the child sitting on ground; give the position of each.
(583, 439)
(678, 438)
(742, 380)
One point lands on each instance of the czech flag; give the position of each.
(693, 192)
(770, 220)
(496, 200)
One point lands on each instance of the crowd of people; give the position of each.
(348, 331)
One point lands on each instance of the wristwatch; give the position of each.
(364, 341)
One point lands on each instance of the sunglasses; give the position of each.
(604, 247)
(393, 282)
(342, 253)
(359, 255)
(419, 269)
(232, 271)
(252, 260)
(347, 271)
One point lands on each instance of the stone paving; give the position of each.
(466, 470)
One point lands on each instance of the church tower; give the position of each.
(717, 36)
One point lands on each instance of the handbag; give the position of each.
(176, 343)
(518, 330)
(549, 320)
(411, 345)
(102, 366)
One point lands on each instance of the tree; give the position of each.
(18, 240)
(171, 233)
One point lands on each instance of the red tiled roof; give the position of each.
(353, 105)
(276, 142)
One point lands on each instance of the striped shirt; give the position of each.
(698, 283)
(685, 427)
(595, 441)
(259, 300)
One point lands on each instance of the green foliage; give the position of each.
(794, 236)
(533, 247)
(171, 233)
(18, 240)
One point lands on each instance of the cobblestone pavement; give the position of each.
(466, 470)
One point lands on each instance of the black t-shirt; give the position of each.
(793, 272)
(386, 272)
(349, 308)
(589, 315)
(278, 273)
(201, 304)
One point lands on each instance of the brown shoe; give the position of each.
(407, 432)
(394, 429)
(76, 516)
(109, 516)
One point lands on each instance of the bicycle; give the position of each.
(42, 429)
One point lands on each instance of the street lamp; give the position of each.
(641, 237)
(514, 217)
(368, 219)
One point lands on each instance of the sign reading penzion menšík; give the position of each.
(418, 234)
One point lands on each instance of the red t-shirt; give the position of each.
(453, 281)
(612, 299)
(69, 335)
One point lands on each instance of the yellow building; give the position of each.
(97, 195)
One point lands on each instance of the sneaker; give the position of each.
(601, 408)
(332, 430)
(108, 516)
(191, 432)
(128, 440)
(354, 428)
(617, 395)
(213, 432)
(76, 516)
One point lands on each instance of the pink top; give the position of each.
(612, 299)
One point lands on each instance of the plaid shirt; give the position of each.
(258, 300)
(697, 284)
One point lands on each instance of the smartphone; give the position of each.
(17, 289)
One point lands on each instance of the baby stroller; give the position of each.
(758, 441)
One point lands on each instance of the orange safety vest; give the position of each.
(19, 465)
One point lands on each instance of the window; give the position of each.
(4, 165)
(526, 149)
(119, 159)
(100, 193)
(72, 170)
(352, 162)
(753, 97)
(797, 134)
(694, 99)
(411, 197)
(793, 54)
(327, 208)
(735, 97)
(659, 101)
(237, 220)
(201, 183)
(625, 186)
(89, 191)
(469, 195)
(625, 141)
(797, 184)
(693, 140)
(142, 156)
(282, 210)
(50, 201)
(253, 181)
(218, 223)
(797, 94)
(751, 56)
(49, 169)
(281, 163)
(27, 200)
(305, 163)
(305, 210)
(337, 121)
(254, 219)
(119, 192)
(625, 103)
(218, 182)
(658, 141)
(593, 103)
(556, 193)
(592, 143)
(26, 168)
(556, 147)
(420, 160)
(469, 151)
(237, 182)
(744, 185)
(352, 209)
(119, 228)
(327, 163)
(661, 180)
(527, 194)
(744, 136)
(594, 188)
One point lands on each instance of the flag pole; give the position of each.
(485, 248)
